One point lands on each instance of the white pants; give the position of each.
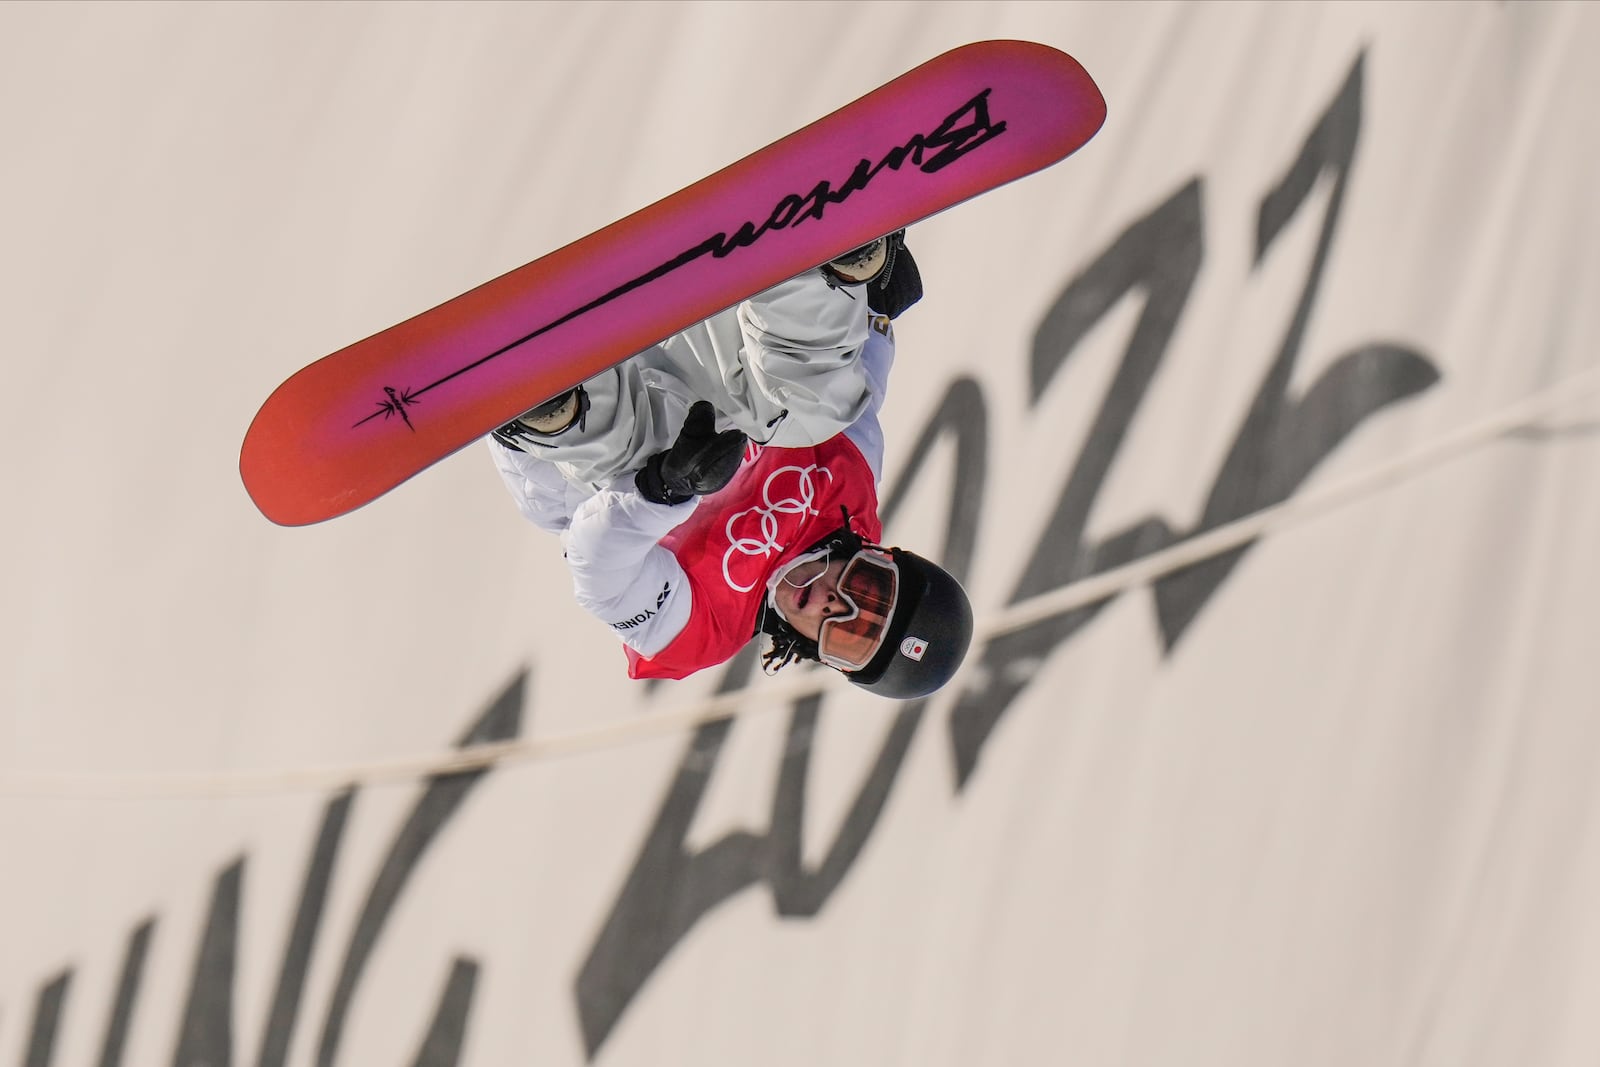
(790, 367)
(784, 367)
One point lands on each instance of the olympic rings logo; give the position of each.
(758, 532)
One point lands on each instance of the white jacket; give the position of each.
(609, 533)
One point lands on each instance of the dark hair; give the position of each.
(788, 644)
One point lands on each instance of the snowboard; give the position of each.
(355, 424)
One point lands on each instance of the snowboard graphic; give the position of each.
(355, 424)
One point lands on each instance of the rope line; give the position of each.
(772, 693)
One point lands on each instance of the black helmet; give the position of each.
(926, 637)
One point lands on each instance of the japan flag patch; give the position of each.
(913, 648)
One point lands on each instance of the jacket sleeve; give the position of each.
(620, 572)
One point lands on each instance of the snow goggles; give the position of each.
(868, 585)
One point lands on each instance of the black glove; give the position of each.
(701, 461)
(900, 284)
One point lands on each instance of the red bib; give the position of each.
(782, 501)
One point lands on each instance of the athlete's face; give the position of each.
(809, 593)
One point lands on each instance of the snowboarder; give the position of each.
(724, 483)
